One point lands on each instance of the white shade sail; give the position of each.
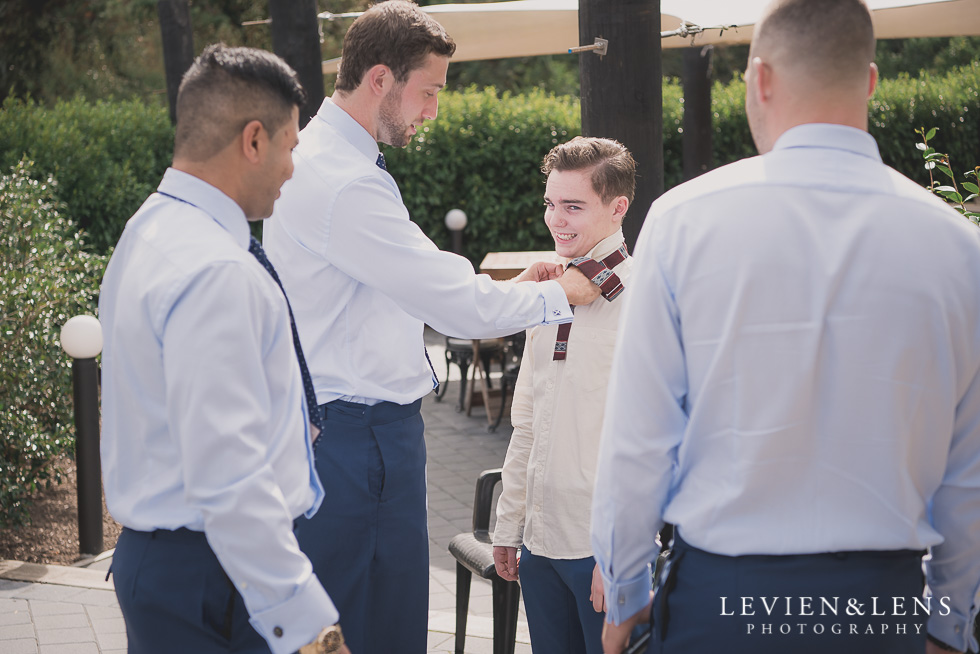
(525, 28)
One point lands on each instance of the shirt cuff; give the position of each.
(296, 622)
(507, 535)
(954, 630)
(556, 307)
(627, 598)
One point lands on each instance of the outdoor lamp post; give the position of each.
(456, 221)
(81, 338)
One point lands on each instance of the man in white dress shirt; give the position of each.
(206, 446)
(363, 280)
(797, 383)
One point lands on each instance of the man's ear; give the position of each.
(761, 79)
(620, 206)
(253, 140)
(873, 79)
(379, 78)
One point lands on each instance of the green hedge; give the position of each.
(481, 155)
(107, 156)
(45, 278)
(950, 103)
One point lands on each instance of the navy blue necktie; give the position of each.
(256, 249)
(435, 378)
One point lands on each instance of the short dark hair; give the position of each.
(831, 41)
(613, 167)
(395, 33)
(225, 89)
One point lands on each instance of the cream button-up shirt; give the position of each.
(558, 407)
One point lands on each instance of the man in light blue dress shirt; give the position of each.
(363, 280)
(206, 443)
(796, 385)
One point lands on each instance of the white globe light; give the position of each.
(81, 337)
(455, 219)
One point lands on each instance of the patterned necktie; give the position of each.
(599, 273)
(256, 249)
(435, 378)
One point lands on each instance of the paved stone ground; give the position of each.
(59, 610)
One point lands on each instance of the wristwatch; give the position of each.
(327, 641)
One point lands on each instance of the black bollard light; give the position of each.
(81, 338)
(456, 221)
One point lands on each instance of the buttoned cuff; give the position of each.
(627, 598)
(506, 535)
(296, 622)
(556, 307)
(952, 629)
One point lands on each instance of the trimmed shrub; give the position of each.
(950, 103)
(46, 277)
(482, 155)
(107, 156)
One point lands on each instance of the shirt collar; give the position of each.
(209, 199)
(607, 246)
(344, 123)
(836, 137)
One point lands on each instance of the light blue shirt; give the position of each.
(363, 279)
(203, 413)
(797, 372)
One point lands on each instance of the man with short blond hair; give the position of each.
(797, 383)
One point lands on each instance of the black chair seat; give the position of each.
(476, 555)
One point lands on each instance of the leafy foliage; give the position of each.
(46, 277)
(957, 194)
(107, 156)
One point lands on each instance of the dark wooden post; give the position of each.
(296, 38)
(178, 46)
(621, 91)
(697, 111)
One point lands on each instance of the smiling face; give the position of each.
(575, 214)
(410, 103)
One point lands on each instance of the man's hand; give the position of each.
(615, 638)
(598, 597)
(343, 650)
(540, 271)
(578, 288)
(505, 561)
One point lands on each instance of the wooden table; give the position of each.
(507, 265)
(500, 266)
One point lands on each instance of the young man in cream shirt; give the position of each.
(557, 414)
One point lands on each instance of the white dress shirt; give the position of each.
(363, 279)
(549, 471)
(203, 412)
(797, 372)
